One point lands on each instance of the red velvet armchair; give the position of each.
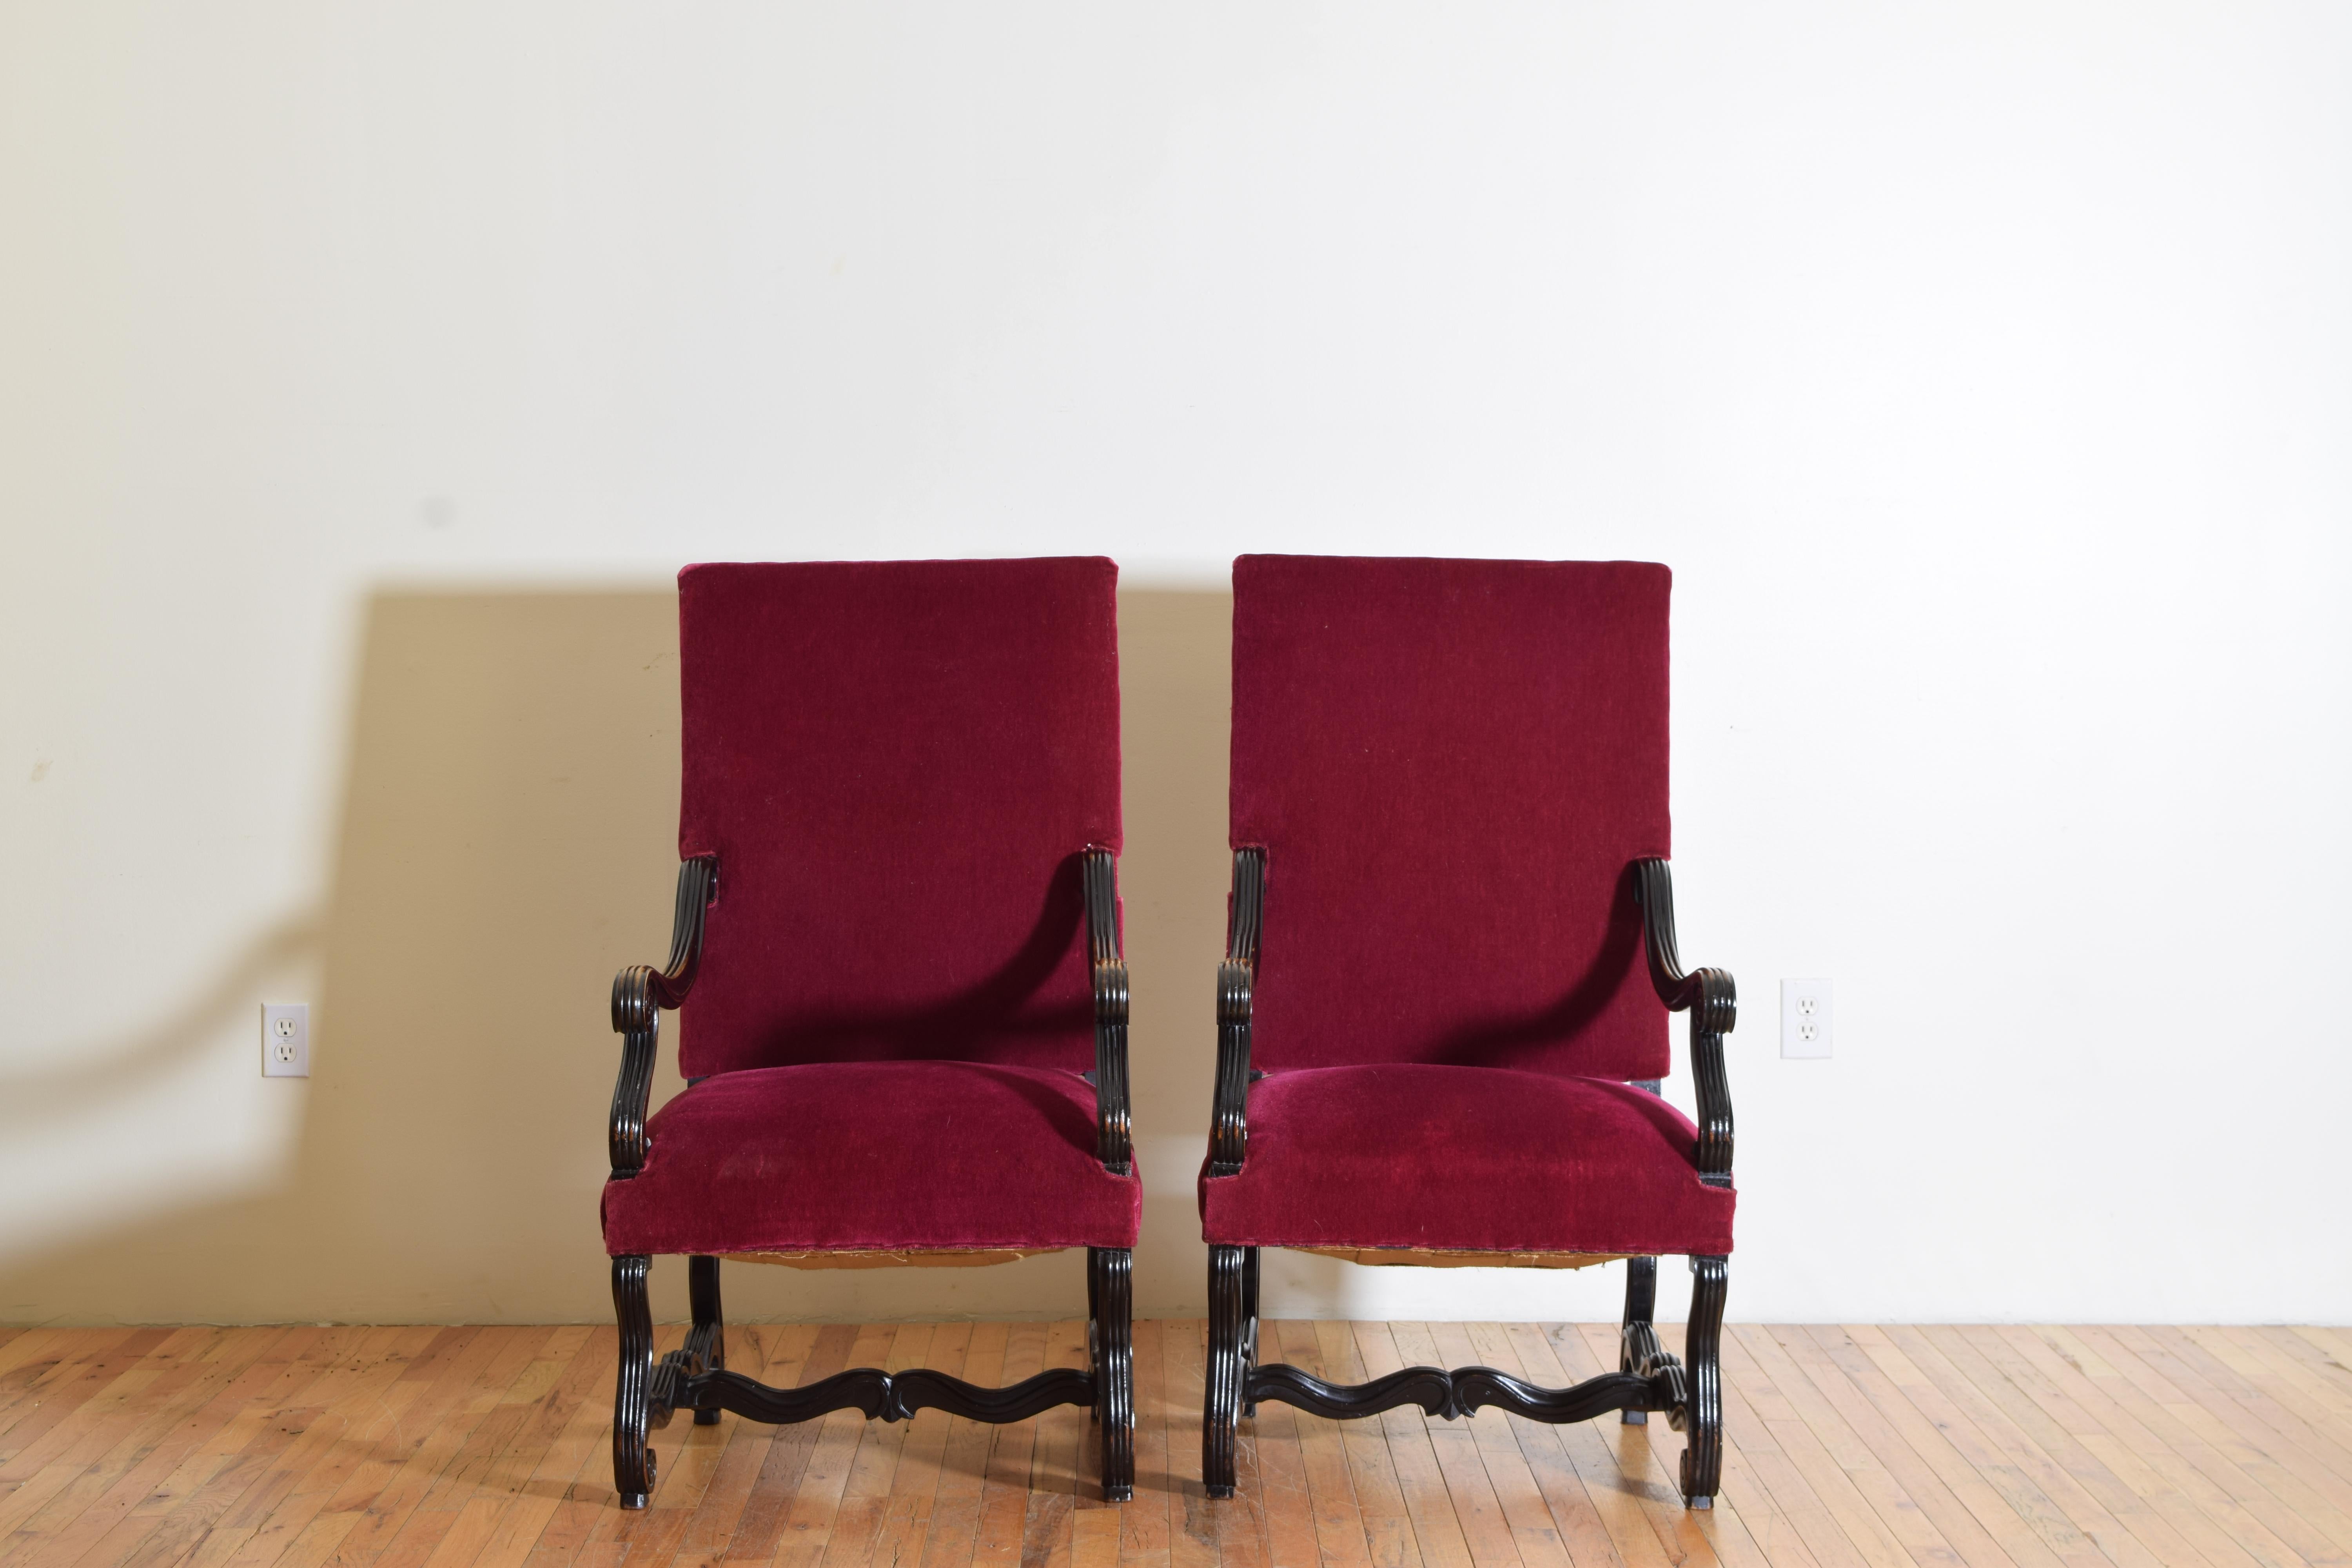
(1441, 1017)
(897, 955)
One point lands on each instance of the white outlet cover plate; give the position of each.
(285, 1039)
(1805, 1018)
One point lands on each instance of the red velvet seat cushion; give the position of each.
(1464, 1158)
(873, 1156)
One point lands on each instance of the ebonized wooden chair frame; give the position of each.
(695, 1376)
(1648, 1378)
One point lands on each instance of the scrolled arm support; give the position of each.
(1114, 1143)
(1713, 1002)
(1236, 986)
(640, 992)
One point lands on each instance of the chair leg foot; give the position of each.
(1226, 1370)
(1703, 1358)
(1110, 1302)
(709, 1322)
(633, 1461)
(1641, 1304)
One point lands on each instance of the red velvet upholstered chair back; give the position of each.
(898, 765)
(1451, 765)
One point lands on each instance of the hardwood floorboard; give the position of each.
(1048, 1525)
(864, 1498)
(154, 1436)
(794, 1355)
(1649, 1458)
(2009, 1471)
(1003, 1535)
(954, 1532)
(1410, 1458)
(1421, 1484)
(1849, 1446)
(403, 1508)
(2278, 1473)
(1838, 1397)
(39, 1453)
(2325, 1354)
(1836, 1479)
(2256, 1518)
(1828, 1448)
(1192, 1530)
(1145, 1522)
(542, 1491)
(1339, 1525)
(61, 1382)
(1755, 1465)
(1469, 1491)
(2153, 1472)
(1380, 1511)
(1284, 1503)
(1575, 1518)
(187, 1508)
(2265, 1355)
(1938, 1450)
(141, 1502)
(1534, 1535)
(815, 1511)
(2102, 1487)
(1585, 1457)
(2207, 1378)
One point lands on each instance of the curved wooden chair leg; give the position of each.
(1249, 1326)
(1111, 1327)
(1093, 1319)
(633, 1461)
(1641, 1307)
(1703, 1354)
(709, 1323)
(1225, 1371)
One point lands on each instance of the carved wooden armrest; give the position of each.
(1713, 1002)
(1113, 1140)
(640, 992)
(1236, 985)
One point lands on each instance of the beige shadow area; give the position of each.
(1175, 668)
(508, 840)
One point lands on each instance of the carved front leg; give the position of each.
(633, 1461)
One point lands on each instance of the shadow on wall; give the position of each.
(509, 840)
(166, 1048)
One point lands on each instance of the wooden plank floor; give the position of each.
(425, 1447)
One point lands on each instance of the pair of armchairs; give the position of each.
(1441, 1019)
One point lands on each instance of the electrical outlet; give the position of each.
(1804, 1018)
(285, 1039)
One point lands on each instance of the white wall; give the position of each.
(1985, 373)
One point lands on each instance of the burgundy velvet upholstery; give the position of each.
(1451, 766)
(871, 1156)
(897, 764)
(1468, 1159)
